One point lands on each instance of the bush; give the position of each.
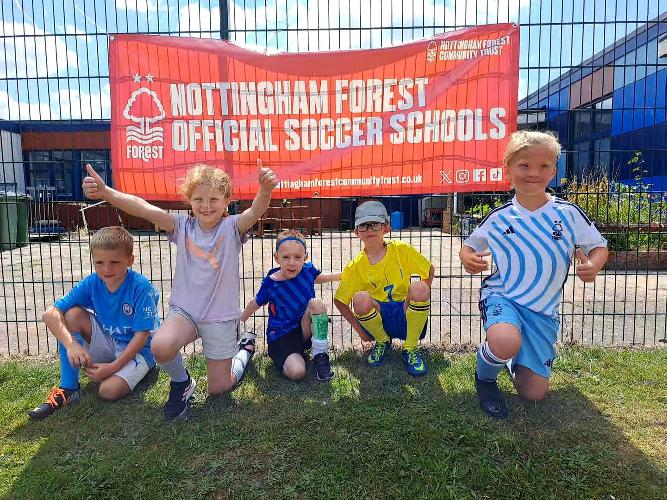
(624, 214)
(620, 211)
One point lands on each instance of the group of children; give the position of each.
(108, 323)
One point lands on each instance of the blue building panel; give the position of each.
(651, 142)
(640, 104)
(634, 121)
(617, 112)
(660, 101)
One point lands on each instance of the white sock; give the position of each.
(240, 362)
(319, 346)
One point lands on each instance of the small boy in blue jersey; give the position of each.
(532, 240)
(297, 320)
(103, 325)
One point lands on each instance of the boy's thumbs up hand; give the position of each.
(94, 187)
(586, 270)
(268, 180)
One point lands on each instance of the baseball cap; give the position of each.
(370, 211)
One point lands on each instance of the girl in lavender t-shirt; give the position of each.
(204, 301)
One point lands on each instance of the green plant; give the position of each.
(483, 208)
(625, 214)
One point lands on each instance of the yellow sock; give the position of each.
(416, 317)
(373, 323)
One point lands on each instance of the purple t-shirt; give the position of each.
(207, 280)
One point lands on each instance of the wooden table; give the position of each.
(278, 218)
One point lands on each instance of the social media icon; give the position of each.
(479, 175)
(496, 174)
(462, 176)
(444, 177)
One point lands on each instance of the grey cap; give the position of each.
(370, 211)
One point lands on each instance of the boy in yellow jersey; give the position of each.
(377, 283)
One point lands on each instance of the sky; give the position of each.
(53, 54)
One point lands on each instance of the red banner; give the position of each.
(432, 116)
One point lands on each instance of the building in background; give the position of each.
(609, 108)
(605, 111)
(54, 154)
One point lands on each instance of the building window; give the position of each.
(61, 172)
(662, 46)
(531, 119)
(591, 139)
(99, 160)
(50, 170)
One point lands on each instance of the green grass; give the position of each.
(370, 433)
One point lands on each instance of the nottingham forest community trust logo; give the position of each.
(431, 52)
(145, 141)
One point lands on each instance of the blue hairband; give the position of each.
(291, 238)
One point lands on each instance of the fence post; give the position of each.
(224, 19)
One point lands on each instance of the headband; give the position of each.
(291, 238)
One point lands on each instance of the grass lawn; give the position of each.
(376, 433)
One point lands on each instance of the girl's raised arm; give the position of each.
(267, 182)
(94, 188)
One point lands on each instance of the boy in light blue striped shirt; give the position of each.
(532, 240)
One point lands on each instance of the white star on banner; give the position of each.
(137, 78)
(149, 78)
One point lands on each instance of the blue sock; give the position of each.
(69, 376)
(488, 364)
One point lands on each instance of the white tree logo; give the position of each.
(144, 133)
(431, 52)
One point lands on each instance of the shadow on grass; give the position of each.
(273, 437)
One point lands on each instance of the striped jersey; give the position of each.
(287, 300)
(532, 251)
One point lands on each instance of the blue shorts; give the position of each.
(394, 321)
(538, 332)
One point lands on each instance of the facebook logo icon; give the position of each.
(479, 175)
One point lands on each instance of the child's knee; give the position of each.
(419, 291)
(504, 340)
(362, 302)
(218, 388)
(316, 306)
(529, 385)
(77, 320)
(533, 393)
(162, 350)
(113, 389)
(294, 367)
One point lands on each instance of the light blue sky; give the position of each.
(53, 54)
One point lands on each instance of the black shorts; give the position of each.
(290, 343)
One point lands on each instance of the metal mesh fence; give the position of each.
(595, 72)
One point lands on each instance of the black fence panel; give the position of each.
(595, 72)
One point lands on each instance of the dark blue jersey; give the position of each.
(287, 300)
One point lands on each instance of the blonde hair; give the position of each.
(112, 238)
(290, 233)
(201, 174)
(525, 138)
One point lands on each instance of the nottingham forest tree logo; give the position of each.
(431, 52)
(144, 107)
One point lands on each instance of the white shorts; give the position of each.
(220, 339)
(103, 350)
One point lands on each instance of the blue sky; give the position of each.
(53, 54)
